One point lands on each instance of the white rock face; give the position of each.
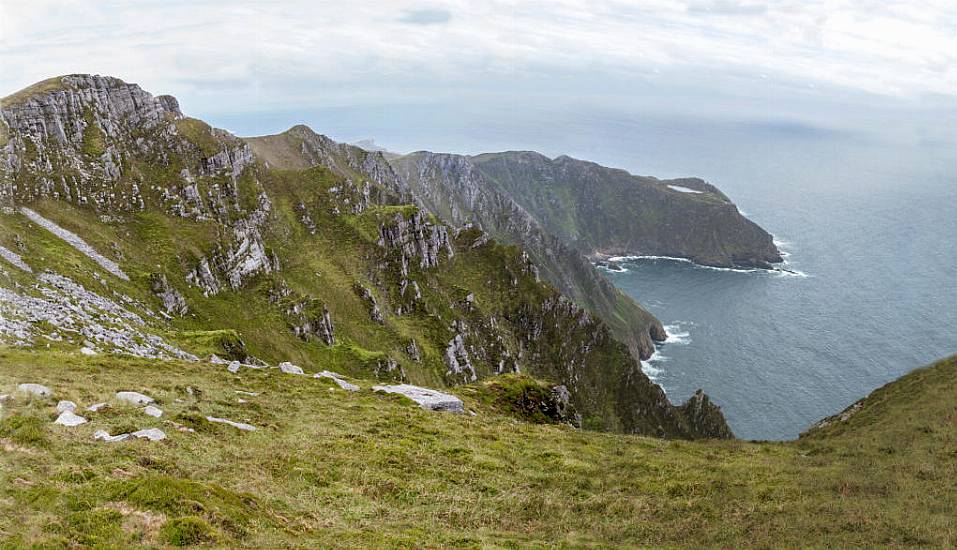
(70, 311)
(238, 425)
(35, 389)
(69, 418)
(153, 434)
(155, 412)
(64, 406)
(134, 398)
(348, 386)
(426, 398)
(76, 242)
(289, 368)
(14, 259)
(103, 435)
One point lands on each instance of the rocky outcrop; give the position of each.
(704, 417)
(453, 189)
(416, 239)
(173, 301)
(426, 398)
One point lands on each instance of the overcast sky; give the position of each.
(804, 59)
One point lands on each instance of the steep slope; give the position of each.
(605, 211)
(330, 468)
(146, 232)
(447, 187)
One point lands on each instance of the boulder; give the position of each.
(35, 389)
(134, 398)
(348, 386)
(64, 406)
(69, 418)
(234, 367)
(153, 434)
(97, 406)
(155, 412)
(426, 398)
(289, 368)
(103, 435)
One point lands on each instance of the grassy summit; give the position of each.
(328, 468)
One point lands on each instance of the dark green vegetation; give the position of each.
(329, 468)
(601, 210)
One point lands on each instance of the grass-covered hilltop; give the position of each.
(286, 341)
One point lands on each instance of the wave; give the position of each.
(676, 335)
(784, 271)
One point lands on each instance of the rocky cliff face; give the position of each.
(452, 188)
(117, 206)
(600, 210)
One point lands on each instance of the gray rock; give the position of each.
(64, 406)
(234, 367)
(134, 398)
(76, 242)
(153, 434)
(348, 386)
(97, 406)
(69, 418)
(103, 435)
(155, 412)
(173, 301)
(289, 368)
(87, 351)
(426, 398)
(238, 425)
(35, 389)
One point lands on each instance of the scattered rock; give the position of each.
(173, 301)
(97, 406)
(69, 418)
(426, 398)
(35, 389)
(249, 393)
(153, 434)
(289, 368)
(134, 398)
(103, 435)
(238, 425)
(155, 412)
(234, 367)
(64, 406)
(348, 386)
(87, 351)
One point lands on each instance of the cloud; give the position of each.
(319, 52)
(426, 16)
(728, 7)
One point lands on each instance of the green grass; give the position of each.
(328, 468)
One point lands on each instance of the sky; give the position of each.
(364, 68)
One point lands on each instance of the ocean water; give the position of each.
(871, 233)
(865, 205)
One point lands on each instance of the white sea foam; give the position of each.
(677, 335)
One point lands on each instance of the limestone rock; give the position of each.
(173, 301)
(97, 406)
(69, 418)
(238, 425)
(234, 367)
(289, 368)
(426, 398)
(153, 411)
(348, 386)
(38, 390)
(152, 434)
(103, 435)
(64, 406)
(134, 398)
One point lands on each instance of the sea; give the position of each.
(866, 212)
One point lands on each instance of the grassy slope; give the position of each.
(333, 469)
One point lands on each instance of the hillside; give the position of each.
(447, 187)
(128, 227)
(605, 211)
(332, 468)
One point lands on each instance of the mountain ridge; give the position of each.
(331, 265)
